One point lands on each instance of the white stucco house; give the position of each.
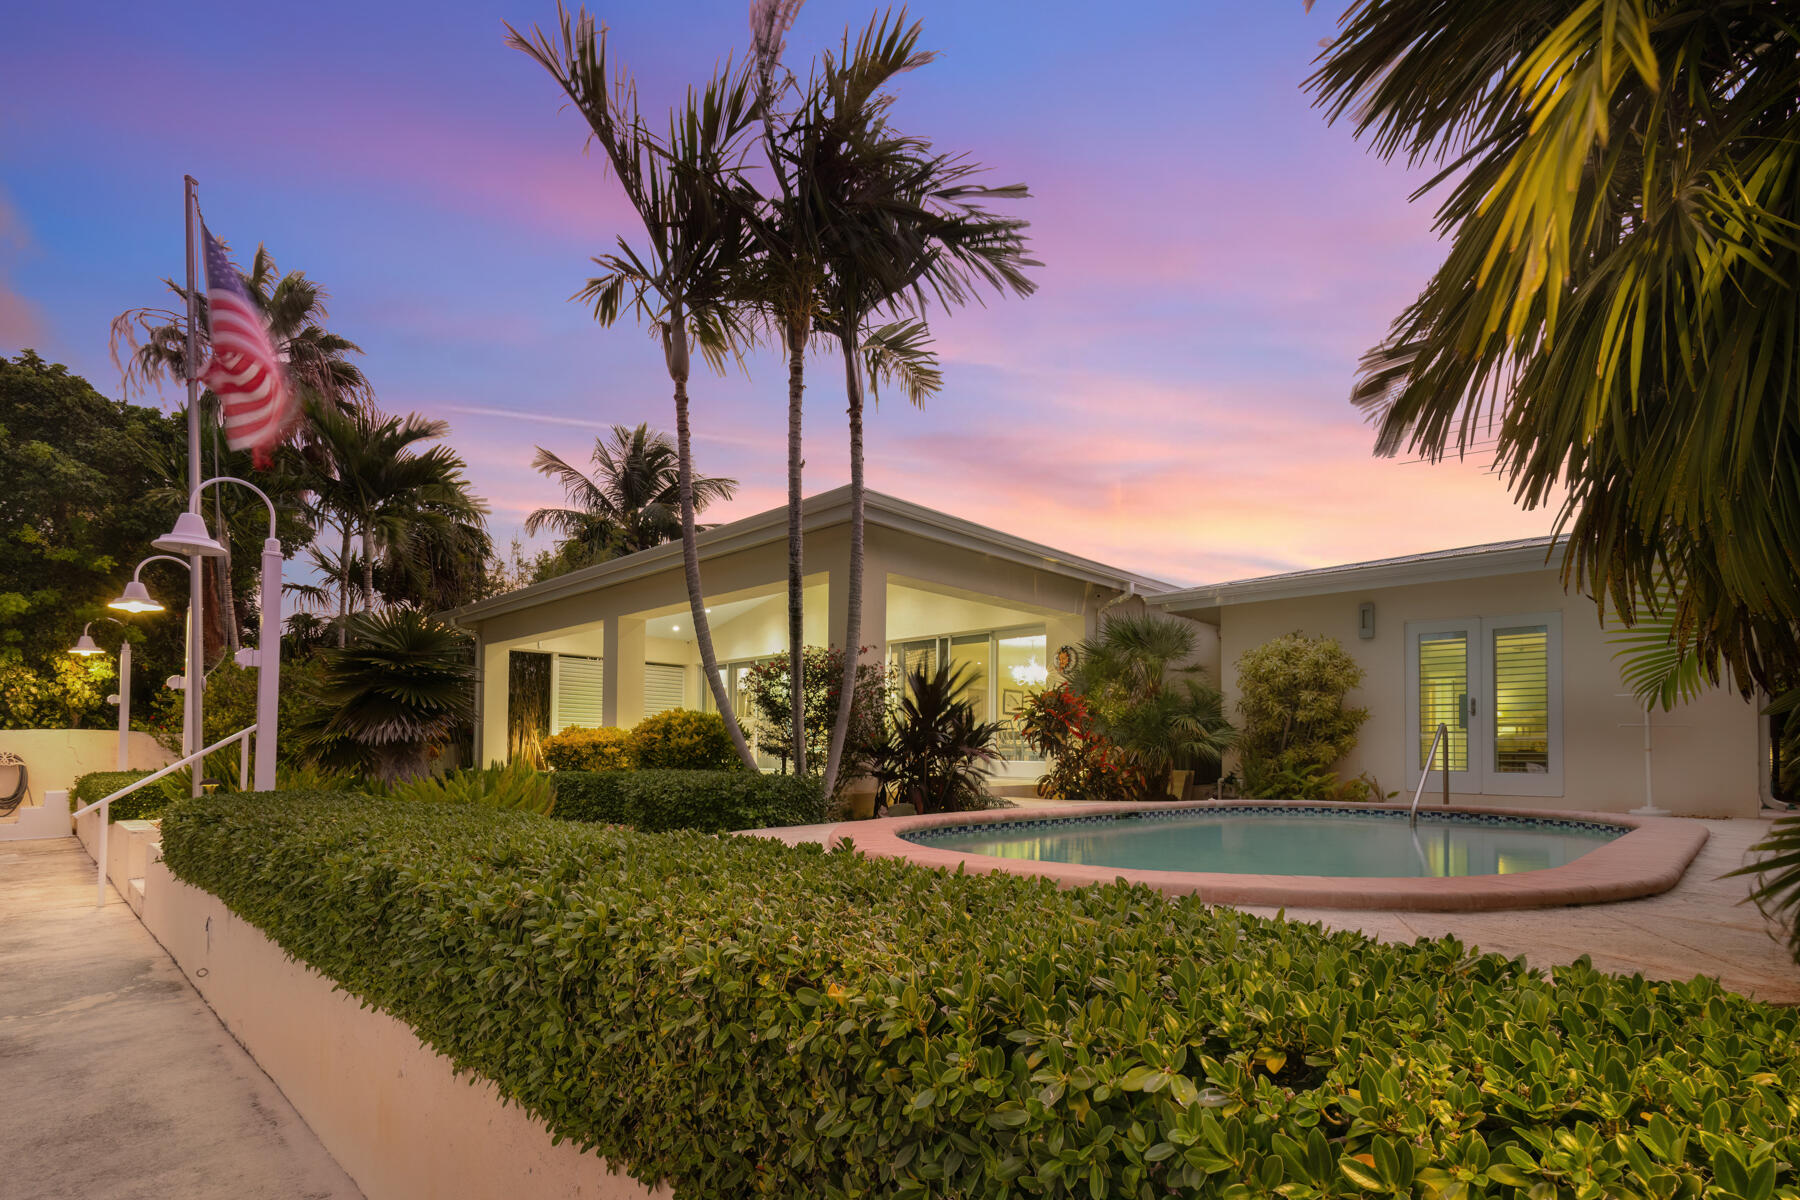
(1482, 639)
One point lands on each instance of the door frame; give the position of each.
(1481, 778)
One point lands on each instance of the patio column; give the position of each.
(490, 722)
(622, 689)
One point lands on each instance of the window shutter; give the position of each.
(580, 692)
(665, 687)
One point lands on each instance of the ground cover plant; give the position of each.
(737, 1017)
(708, 801)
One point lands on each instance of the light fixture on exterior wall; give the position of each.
(1365, 620)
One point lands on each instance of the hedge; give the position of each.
(707, 801)
(142, 805)
(737, 1018)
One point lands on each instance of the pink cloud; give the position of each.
(21, 323)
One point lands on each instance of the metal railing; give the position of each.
(1440, 738)
(104, 804)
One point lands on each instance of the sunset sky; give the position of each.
(1173, 400)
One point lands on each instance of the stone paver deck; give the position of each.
(118, 1081)
(1703, 926)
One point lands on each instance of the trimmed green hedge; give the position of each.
(741, 1018)
(707, 801)
(142, 805)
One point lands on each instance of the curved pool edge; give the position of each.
(1648, 860)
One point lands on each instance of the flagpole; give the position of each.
(193, 698)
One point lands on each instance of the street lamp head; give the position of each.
(85, 647)
(136, 599)
(190, 537)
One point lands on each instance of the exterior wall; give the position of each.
(1706, 754)
(56, 758)
(394, 1113)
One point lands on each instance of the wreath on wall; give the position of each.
(1065, 659)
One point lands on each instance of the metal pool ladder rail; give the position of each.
(1440, 738)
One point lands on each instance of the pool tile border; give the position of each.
(1648, 859)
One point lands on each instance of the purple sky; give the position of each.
(1172, 400)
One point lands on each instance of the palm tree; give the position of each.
(696, 245)
(318, 362)
(631, 501)
(391, 696)
(1619, 189)
(901, 228)
(1148, 701)
(370, 480)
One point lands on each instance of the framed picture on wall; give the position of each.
(1011, 701)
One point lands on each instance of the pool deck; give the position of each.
(1702, 926)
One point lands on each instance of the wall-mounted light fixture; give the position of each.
(1365, 620)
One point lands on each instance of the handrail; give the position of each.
(1442, 736)
(104, 804)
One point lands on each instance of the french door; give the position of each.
(1495, 685)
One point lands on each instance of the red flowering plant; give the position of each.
(1083, 764)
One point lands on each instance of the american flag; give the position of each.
(245, 372)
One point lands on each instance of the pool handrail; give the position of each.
(1439, 738)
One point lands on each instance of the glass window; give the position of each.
(1443, 697)
(1021, 669)
(1522, 700)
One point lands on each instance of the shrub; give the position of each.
(735, 1017)
(708, 801)
(768, 690)
(1291, 693)
(1081, 763)
(684, 740)
(145, 804)
(517, 786)
(938, 755)
(602, 749)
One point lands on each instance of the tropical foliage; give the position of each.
(582, 749)
(1619, 194)
(684, 740)
(1080, 762)
(517, 786)
(387, 703)
(630, 502)
(1155, 709)
(760, 1019)
(1296, 724)
(938, 753)
(701, 801)
(768, 688)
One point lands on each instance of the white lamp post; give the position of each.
(86, 647)
(190, 537)
(136, 598)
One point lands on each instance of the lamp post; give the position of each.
(136, 598)
(85, 647)
(190, 537)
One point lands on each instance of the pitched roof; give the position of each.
(819, 512)
(1462, 562)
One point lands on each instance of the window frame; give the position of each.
(1482, 778)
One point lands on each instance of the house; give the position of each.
(1486, 641)
(1483, 640)
(612, 643)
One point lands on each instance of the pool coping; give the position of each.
(1648, 860)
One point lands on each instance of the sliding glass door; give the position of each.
(1495, 685)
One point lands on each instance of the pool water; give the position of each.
(1287, 842)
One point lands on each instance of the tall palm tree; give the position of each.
(783, 282)
(372, 480)
(630, 502)
(902, 228)
(695, 245)
(1619, 190)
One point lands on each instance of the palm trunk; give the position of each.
(840, 727)
(677, 350)
(796, 548)
(344, 587)
(368, 570)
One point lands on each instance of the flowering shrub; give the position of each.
(603, 749)
(1083, 765)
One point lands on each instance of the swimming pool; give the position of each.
(1307, 855)
(1288, 841)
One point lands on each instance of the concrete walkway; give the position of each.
(1703, 926)
(116, 1079)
